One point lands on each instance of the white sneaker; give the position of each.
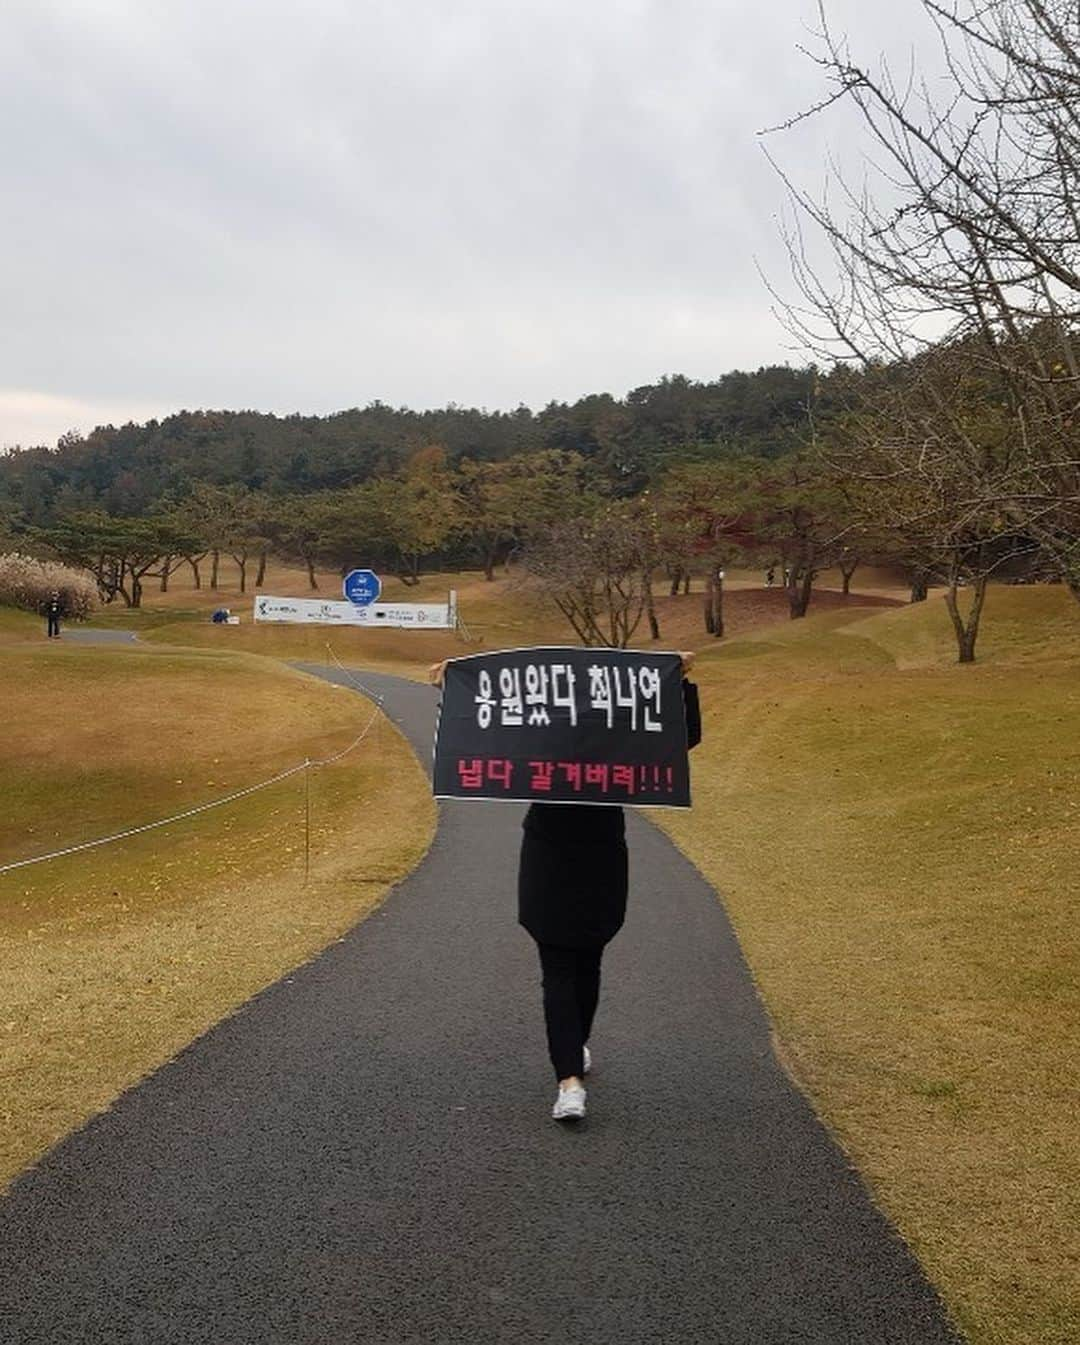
(588, 1059)
(570, 1104)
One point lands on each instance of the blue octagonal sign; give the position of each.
(361, 587)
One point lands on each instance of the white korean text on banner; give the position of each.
(564, 725)
(319, 612)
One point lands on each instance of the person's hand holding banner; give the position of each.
(563, 725)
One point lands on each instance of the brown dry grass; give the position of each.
(16, 627)
(119, 956)
(896, 839)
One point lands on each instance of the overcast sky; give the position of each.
(313, 206)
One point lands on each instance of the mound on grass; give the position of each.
(118, 957)
(895, 838)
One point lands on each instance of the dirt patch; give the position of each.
(747, 609)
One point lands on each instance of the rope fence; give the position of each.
(307, 765)
(367, 691)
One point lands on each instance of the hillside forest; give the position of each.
(599, 502)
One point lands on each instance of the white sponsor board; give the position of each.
(319, 612)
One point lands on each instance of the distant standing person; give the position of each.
(53, 609)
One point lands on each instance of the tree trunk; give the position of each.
(713, 605)
(409, 570)
(121, 586)
(261, 574)
(309, 561)
(686, 582)
(581, 618)
(800, 586)
(490, 556)
(215, 559)
(650, 605)
(136, 590)
(195, 570)
(166, 570)
(919, 585)
(967, 632)
(241, 565)
(676, 580)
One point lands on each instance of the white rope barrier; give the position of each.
(206, 807)
(373, 695)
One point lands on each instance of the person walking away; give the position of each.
(572, 883)
(53, 610)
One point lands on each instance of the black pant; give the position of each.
(571, 978)
(54, 624)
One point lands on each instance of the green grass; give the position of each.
(895, 837)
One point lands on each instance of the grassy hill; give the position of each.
(117, 957)
(895, 838)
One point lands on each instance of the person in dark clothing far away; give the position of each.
(53, 611)
(572, 884)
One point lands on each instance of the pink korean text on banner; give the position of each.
(564, 725)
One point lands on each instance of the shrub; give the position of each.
(28, 583)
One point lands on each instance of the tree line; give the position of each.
(134, 470)
(598, 554)
(921, 463)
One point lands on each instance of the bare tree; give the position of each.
(965, 235)
(926, 461)
(597, 571)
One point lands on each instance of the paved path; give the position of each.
(96, 635)
(364, 1153)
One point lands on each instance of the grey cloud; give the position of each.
(306, 208)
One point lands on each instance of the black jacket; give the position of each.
(572, 878)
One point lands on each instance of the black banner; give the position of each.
(564, 726)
